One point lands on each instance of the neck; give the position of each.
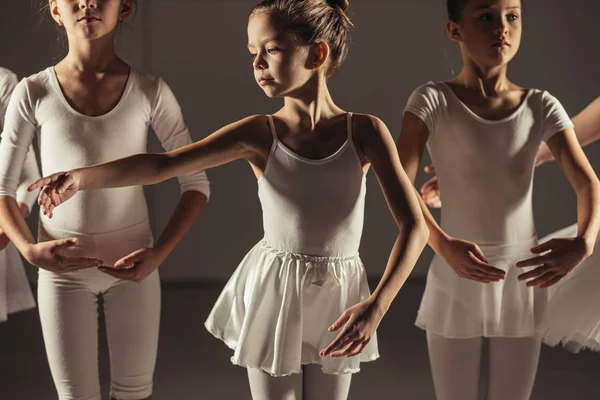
(312, 104)
(487, 80)
(92, 56)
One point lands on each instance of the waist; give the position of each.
(138, 230)
(306, 255)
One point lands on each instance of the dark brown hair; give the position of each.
(455, 8)
(314, 21)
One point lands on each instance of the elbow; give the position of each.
(162, 166)
(417, 229)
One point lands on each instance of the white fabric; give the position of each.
(8, 82)
(485, 171)
(459, 372)
(275, 310)
(573, 310)
(312, 384)
(69, 139)
(15, 292)
(68, 305)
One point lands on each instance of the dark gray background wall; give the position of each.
(199, 48)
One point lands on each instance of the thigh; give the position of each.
(264, 386)
(132, 314)
(455, 366)
(317, 385)
(513, 365)
(69, 318)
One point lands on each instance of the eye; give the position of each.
(486, 17)
(252, 56)
(273, 50)
(512, 17)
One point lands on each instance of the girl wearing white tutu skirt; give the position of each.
(297, 312)
(486, 283)
(573, 316)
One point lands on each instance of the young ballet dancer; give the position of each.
(297, 312)
(15, 292)
(483, 132)
(89, 108)
(573, 317)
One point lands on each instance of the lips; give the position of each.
(88, 18)
(263, 80)
(501, 43)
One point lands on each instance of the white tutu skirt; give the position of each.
(15, 292)
(574, 308)
(456, 307)
(275, 310)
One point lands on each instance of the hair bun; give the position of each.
(342, 4)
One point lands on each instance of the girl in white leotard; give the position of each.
(92, 107)
(483, 133)
(573, 317)
(280, 311)
(15, 292)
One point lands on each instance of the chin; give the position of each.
(272, 93)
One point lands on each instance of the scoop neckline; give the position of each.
(479, 118)
(65, 101)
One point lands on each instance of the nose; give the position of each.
(259, 62)
(501, 28)
(87, 4)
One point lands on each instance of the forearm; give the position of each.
(587, 123)
(437, 236)
(405, 253)
(588, 212)
(188, 209)
(139, 169)
(14, 225)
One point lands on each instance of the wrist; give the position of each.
(77, 175)
(440, 241)
(589, 243)
(162, 252)
(28, 251)
(380, 302)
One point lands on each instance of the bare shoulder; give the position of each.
(370, 134)
(254, 133)
(368, 128)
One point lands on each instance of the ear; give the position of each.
(320, 55)
(126, 9)
(54, 12)
(453, 30)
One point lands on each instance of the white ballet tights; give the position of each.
(456, 366)
(312, 384)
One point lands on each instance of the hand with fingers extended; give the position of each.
(358, 325)
(430, 191)
(136, 266)
(468, 261)
(56, 189)
(561, 256)
(49, 256)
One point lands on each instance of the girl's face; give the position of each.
(489, 31)
(281, 64)
(89, 19)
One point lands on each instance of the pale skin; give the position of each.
(587, 129)
(93, 78)
(309, 123)
(489, 34)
